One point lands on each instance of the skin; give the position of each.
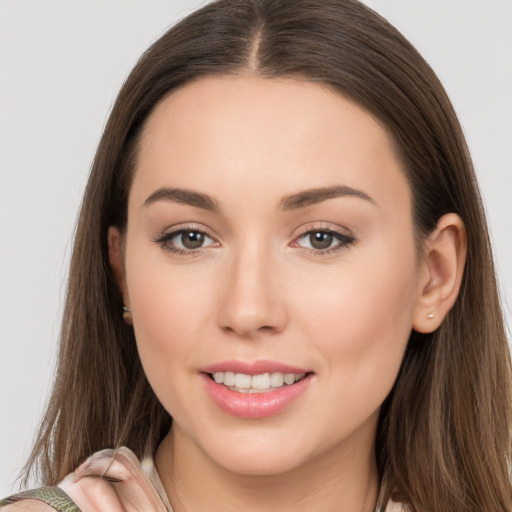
(255, 289)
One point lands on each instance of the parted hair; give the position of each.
(444, 435)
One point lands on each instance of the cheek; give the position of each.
(169, 307)
(361, 319)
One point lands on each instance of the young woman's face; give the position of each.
(271, 270)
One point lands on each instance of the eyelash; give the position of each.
(344, 241)
(165, 239)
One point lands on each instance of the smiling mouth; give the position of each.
(260, 383)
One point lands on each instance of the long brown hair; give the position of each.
(444, 434)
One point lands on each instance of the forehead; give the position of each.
(247, 134)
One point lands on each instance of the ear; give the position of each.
(116, 257)
(443, 262)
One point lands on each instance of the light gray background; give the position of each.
(61, 65)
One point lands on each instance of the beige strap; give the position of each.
(53, 496)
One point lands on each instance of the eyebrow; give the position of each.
(183, 196)
(291, 202)
(317, 195)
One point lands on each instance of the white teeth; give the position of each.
(243, 381)
(229, 379)
(261, 381)
(256, 383)
(289, 378)
(276, 380)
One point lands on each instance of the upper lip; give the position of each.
(253, 367)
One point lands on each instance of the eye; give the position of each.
(190, 239)
(321, 241)
(185, 241)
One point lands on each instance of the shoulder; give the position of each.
(109, 481)
(113, 480)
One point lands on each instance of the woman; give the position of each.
(282, 248)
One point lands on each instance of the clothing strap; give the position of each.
(53, 496)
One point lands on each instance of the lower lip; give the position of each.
(254, 405)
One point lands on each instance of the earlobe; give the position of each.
(443, 266)
(116, 258)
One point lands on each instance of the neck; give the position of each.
(342, 480)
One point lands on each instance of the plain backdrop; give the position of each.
(61, 65)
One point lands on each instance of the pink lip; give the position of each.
(253, 367)
(254, 405)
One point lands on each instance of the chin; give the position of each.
(261, 455)
(259, 465)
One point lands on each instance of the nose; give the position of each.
(251, 302)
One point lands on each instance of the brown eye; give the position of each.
(192, 239)
(186, 241)
(320, 240)
(323, 242)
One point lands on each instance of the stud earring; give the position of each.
(430, 316)
(127, 316)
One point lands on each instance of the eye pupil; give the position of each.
(320, 240)
(192, 239)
